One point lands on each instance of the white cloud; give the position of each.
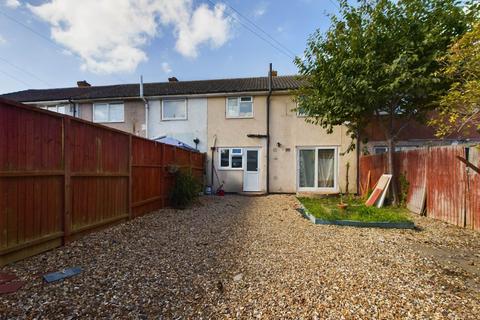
(110, 35)
(2, 40)
(12, 4)
(260, 10)
(166, 67)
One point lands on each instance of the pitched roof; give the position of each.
(156, 89)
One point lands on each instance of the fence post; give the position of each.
(130, 164)
(67, 194)
(162, 175)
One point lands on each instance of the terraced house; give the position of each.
(254, 138)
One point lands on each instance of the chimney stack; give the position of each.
(83, 84)
(172, 79)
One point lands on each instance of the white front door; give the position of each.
(251, 176)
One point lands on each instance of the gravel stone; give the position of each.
(254, 257)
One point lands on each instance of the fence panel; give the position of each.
(413, 164)
(61, 177)
(31, 178)
(372, 166)
(473, 191)
(99, 175)
(147, 176)
(446, 185)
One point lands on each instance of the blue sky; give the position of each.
(61, 42)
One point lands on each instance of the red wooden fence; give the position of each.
(451, 189)
(61, 177)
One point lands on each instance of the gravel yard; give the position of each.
(242, 257)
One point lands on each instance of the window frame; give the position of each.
(109, 104)
(230, 155)
(227, 116)
(56, 106)
(300, 115)
(380, 147)
(162, 118)
(336, 176)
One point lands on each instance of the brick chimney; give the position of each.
(172, 79)
(83, 84)
(274, 73)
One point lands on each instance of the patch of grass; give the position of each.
(325, 208)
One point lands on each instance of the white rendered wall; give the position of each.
(184, 130)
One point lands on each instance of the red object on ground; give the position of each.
(10, 287)
(220, 192)
(7, 283)
(5, 277)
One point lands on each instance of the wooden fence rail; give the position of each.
(61, 177)
(440, 183)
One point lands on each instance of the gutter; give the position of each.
(270, 80)
(147, 107)
(200, 95)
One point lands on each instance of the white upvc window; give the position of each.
(317, 169)
(108, 112)
(239, 107)
(230, 158)
(63, 108)
(301, 112)
(174, 109)
(380, 149)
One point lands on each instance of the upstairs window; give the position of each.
(60, 108)
(174, 109)
(301, 112)
(231, 158)
(240, 107)
(108, 112)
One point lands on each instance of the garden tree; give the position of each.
(460, 107)
(378, 59)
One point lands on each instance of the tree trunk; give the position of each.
(391, 170)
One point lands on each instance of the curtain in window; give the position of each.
(326, 168)
(307, 168)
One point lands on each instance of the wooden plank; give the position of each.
(99, 174)
(15, 174)
(67, 187)
(130, 160)
(150, 200)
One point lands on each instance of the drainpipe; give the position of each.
(145, 101)
(268, 125)
(74, 106)
(213, 160)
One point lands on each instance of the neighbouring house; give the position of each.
(230, 119)
(412, 136)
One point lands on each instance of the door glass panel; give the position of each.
(326, 168)
(252, 160)
(307, 168)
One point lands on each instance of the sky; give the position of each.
(54, 43)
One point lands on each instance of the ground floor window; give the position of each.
(317, 168)
(231, 158)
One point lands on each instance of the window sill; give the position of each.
(108, 122)
(230, 118)
(173, 119)
(230, 169)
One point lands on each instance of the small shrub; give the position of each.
(185, 190)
